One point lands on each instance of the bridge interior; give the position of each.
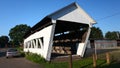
(67, 36)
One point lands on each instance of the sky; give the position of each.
(14, 12)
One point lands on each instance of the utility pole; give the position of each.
(118, 35)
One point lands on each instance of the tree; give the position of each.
(96, 33)
(16, 33)
(112, 35)
(4, 41)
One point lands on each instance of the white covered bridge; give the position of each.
(56, 34)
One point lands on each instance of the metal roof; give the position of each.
(71, 13)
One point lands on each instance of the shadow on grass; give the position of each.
(86, 66)
(101, 64)
(112, 65)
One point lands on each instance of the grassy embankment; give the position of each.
(83, 63)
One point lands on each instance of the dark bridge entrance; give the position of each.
(67, 36)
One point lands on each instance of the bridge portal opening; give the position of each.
(67, 36)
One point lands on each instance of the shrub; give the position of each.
(20, 49)
(35, 58)
(22, 54)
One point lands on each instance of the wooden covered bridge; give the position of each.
(58, 33)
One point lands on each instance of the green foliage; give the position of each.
(3, 41)
(83, 63)
(20, 49)
(96, 33)
(56, 64)
(112, 35)
(86, 62)
(35, 58)
(17, 33)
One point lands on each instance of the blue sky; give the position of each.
(15, 12)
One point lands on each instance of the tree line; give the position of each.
(16, 35)
(96, 33)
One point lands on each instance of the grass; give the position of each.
(56, 65)
(35, 58)
(83, 63)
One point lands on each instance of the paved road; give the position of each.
(18, 62)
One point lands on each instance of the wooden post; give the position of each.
(13, 45)
(94, 60)
(95, 51)
(6, 46)
(107, 58)
(70, 59)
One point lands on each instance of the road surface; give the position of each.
(16, 62)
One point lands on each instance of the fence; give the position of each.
(103, 43)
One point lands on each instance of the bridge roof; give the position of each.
(71, 13)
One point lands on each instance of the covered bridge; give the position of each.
(58, 33)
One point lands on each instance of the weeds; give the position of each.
(35, 58)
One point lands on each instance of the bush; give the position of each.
(20, 49)
(22, 54)
(35, 58)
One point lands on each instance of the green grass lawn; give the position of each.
(83, 63)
